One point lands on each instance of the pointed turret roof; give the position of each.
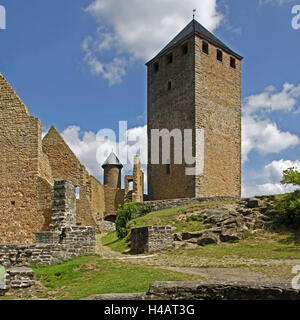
(112, 160)
(195, 28)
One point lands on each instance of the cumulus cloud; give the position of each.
(92, 149)
(272, 173)
(265, 137)
(258, 131)
(278, 2)
(131, 30)
(270, 100)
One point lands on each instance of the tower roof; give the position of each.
(195, 28)
(112, 160)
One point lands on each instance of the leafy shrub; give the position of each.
(125, 213)
(288, 208)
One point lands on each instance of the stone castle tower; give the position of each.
(195, 83)
(112, 171)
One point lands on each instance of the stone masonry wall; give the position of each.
(151, 239)
(21, 171)
(66, 166)
(218, 112)
(205, 94)
(171, 109)
(64, 205)
(50, 248)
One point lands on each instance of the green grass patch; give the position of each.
(267, 245)
(88, 275)
(112, 241)
(179, 217)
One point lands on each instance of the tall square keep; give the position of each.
(195, 83)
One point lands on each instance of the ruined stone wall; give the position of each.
(113, 199)
(171, 109)
(138, 181)
(66, 166)
(97, 198)
(78, 241)
(218, 112)
(151, 239)
(20, 169)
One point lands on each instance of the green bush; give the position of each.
(125, 213)
(288, 209)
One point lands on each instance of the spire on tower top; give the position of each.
(194, 13)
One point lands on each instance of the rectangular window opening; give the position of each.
(232, 62)
(169, 85)
(205, 48)
(219, 55)
(168, 169)
(170, 58)
(156, 67)
(185, 49)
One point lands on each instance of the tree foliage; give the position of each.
(288, 212)
(125, 213)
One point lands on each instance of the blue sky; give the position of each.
(80, 65)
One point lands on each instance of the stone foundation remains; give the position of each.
(64, 241)
(151, 239)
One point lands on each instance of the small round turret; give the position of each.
(112, 171)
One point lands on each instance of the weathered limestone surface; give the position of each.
(229, 222)
(151, 239)
(156, 205)
(208, 291)
(222, 291)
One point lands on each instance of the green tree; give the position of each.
(289, 206)
(291, 176)
(125, 213)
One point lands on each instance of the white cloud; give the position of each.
(134, 29)
(112, 71)
(92, 151)
(270, 100)
(275, 169)
(273, 174)
(278, 2)
(264, 136)
(258, 131)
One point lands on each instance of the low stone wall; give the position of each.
(19, 278)
(50, 248)
(107, 225)
(151, 239)
(150, 206)
(222, 291)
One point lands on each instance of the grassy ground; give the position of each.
(84, 276)
(264, 245)
(179, 217)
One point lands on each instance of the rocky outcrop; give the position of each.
(196, 290)
(222, 291)
(229, 222)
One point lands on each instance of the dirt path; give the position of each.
(210, 269)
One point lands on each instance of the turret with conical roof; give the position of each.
(112, 171)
